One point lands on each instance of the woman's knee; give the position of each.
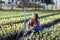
(38, 29)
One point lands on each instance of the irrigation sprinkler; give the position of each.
(22, 32)
(24, 17)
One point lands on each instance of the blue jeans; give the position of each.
(38, 28)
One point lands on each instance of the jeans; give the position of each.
(37, 29)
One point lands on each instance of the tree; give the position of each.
(48, 2)
(0, 3)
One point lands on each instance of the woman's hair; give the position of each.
(31, 22)
(36, 15)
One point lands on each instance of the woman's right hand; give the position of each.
(32, 28)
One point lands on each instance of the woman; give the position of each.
(33, 24)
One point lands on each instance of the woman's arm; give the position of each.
(28, 27)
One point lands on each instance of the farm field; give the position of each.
(52, 33)
(10, 25)
(16, 16)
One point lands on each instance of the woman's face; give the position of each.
(33, 17)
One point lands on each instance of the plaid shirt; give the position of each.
(34, 24)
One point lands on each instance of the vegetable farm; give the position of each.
(11, 23)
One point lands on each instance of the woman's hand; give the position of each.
(32, 28)
(29, 29)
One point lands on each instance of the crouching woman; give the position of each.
(33, 25)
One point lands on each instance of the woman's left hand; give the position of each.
(32, 30)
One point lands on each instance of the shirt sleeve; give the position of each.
(27, 25)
